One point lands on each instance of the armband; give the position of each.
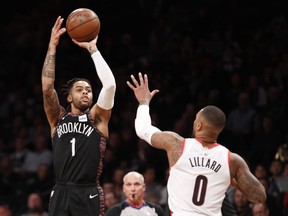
(143, 127)
(107, 93)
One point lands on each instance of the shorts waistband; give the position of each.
(76, 184)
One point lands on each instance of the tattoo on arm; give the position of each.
(250, 186)
(49, 66)
(51, 106)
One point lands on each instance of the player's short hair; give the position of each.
(67, 87)
(214, 116)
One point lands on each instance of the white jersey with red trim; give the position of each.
(199, 179)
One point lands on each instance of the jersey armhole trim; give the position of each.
(183, 146)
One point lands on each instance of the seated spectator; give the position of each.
(42, 183)
(260, 171)
(19, 156)
(272, 202)
(5, 210)
(241, 203)
(110, 199)
(259, 209)
(35, 206)
(41, 155)
(276, 170)
(242, 122)
(153, 188)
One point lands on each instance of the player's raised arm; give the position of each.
(51, 102)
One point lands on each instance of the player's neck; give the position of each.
(78, 112)
(206, 141)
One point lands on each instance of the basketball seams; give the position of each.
(83, 24)
(86, 35)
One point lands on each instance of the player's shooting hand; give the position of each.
(141, 89)
(90, 46)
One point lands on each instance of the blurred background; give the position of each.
(228, 53)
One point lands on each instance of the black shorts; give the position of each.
(76, 200)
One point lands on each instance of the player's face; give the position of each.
(134, 189)
(81, 95)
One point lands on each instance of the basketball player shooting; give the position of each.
(79, 133)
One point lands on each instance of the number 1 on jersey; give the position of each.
(72, 141)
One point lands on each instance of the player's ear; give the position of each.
(69, 98)
(199, 126)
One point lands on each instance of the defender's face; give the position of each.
(81, 95)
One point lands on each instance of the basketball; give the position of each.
(83, 25)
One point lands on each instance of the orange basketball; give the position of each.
(83, 25)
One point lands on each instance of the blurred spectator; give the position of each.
(276, 170)
(258, 95)
(35, 206)
(231, 59)
(272, 202)
(153, 188)
(233, 89)
(110, 199)
(260, 171)
(40, 155)
(277, 108)
(117, 179)
(242, 122)
(5, 210)
(260, 209)
(19, 156)
(268, 138)
(242, 205)
(141, 156)
(8, 179)
(42, 183)
(108, 187)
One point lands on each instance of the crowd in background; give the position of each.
(232, 54)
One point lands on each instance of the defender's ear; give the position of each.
(199, 126)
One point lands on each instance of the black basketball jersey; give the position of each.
(78, 149)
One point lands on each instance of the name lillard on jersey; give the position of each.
(74, 127)
(205, 162)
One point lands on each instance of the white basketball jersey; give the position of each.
(199, 179)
